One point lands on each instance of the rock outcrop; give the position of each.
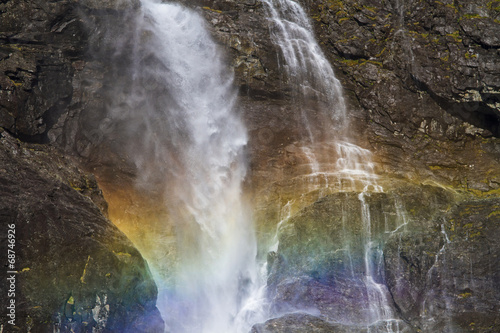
(421, 79)
(425, 74)
(432, 248)
(76, 272)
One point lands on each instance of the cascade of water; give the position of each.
(311, 73)
(377, 293)
(305, 63)
(191, 145)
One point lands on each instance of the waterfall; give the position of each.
(186, 140)
(311, 74)
(307, 69)
(305, 63)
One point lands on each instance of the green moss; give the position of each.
(350, 62)
(122, 254)
(494, 5)
(377, 63)
(415, 33)
(470, 55)
(360, 62)
(381, 52)
(464, 295)
(494, 214)
(212, 10)
(482, 194)
(82, 278)
(452, 7)
(473, 16)
(475, 234)
(371, 9)
(456, 36)
(16, 84)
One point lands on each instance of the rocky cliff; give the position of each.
(76, 272)
(421, 80)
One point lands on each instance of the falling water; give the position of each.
(312, 75)
(307, 68)
(191, 146)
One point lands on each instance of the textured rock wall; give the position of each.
(421, 78)
(76, 271)
(439, 250)
(426, 75)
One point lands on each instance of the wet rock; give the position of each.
(444, 278)
(296, 323)
(431, 253)
(44, 48)
(433, 60)
(422, 82)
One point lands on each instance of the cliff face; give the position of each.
(426, 74)
(421, 80)
(76, 271)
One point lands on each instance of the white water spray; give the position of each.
(191, 144)
(321, 102)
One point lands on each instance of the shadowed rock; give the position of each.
(76, 271)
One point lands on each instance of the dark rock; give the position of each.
(298, 323)
(320, 262)
(445, 279)
(422, 83)
(44, 57)
(433, 60)
(76, 271)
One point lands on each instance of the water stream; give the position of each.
(312, 75)
(307, 70)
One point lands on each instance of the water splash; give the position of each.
(378, 295)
